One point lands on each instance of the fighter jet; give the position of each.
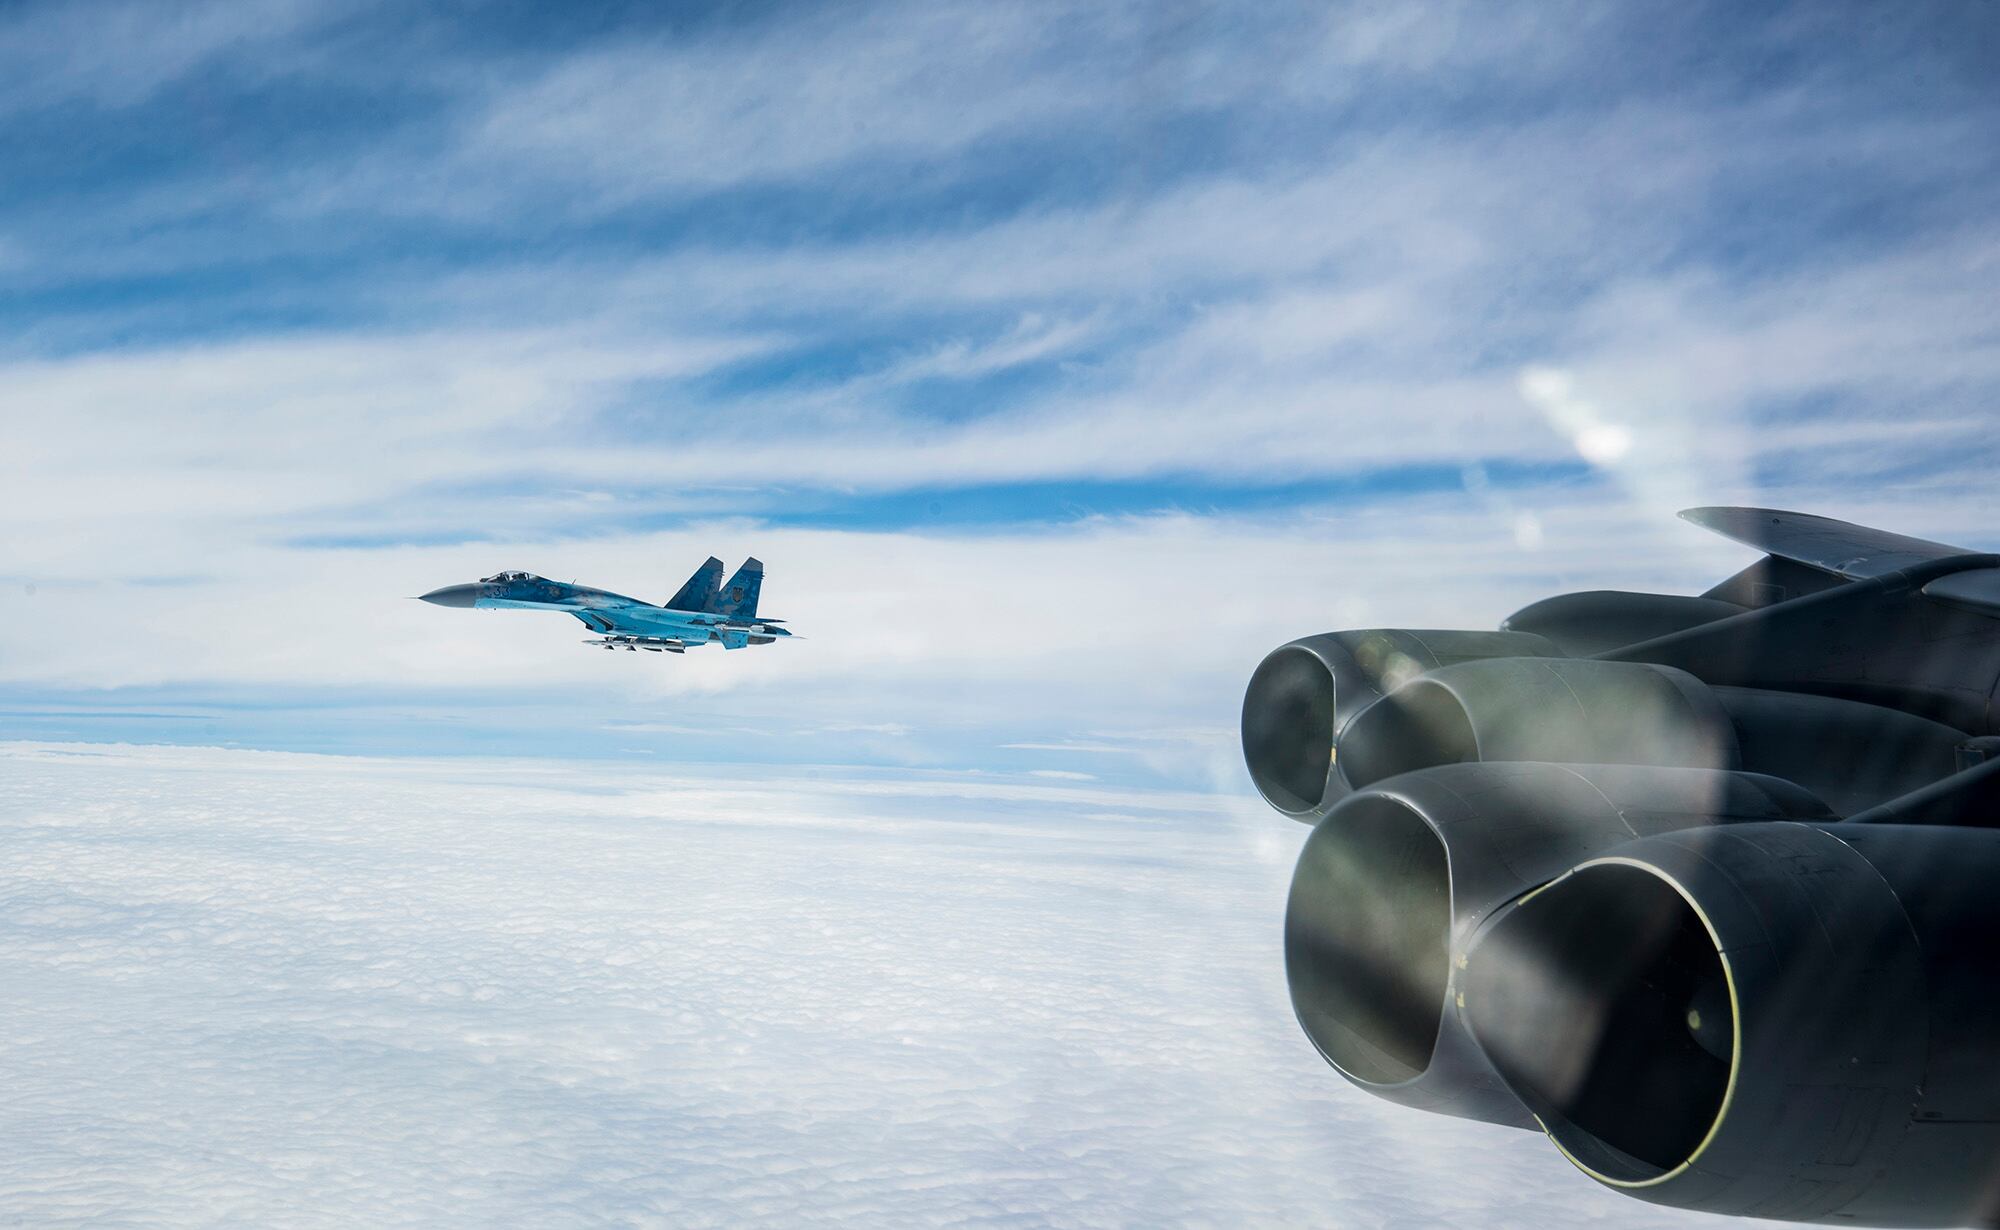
(700, 612)
(1706, 888)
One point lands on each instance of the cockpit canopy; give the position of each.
(499, 577)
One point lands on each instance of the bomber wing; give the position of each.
(1839, 547)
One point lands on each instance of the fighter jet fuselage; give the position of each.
(700, 613)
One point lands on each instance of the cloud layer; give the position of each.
(291, 990)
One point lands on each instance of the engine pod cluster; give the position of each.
(1394, 882)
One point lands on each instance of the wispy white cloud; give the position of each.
(314, 991)
(1119, 647)
(903, 81)
(116, 54)
(1310, 382)
(826, 256)
(913, 95)
(149, 455)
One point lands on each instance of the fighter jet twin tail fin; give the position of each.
(700, 588)
(705, 592)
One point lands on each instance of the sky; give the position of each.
(1058, 360)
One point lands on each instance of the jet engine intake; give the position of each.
(1304, 693)
(1395, 880)
(1774, 1020)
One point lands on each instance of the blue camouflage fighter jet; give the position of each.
(704, 610)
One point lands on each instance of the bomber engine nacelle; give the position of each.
(1392, 885)
(1707, 888)
(1305, 693)
(1776, 1020)
(1587, 711)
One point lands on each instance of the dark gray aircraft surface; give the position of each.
(1706, 888)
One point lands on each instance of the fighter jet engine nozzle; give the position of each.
(1305, 692)
(1591, 711)
(1395, 880)
(1777, 1020)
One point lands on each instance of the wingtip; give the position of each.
(1715, 516)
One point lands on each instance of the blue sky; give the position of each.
(1059, 360)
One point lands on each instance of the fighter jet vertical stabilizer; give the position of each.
(739, 596)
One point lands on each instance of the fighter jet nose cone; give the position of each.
(453, 595)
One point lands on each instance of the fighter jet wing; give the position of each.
(1839, 547)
